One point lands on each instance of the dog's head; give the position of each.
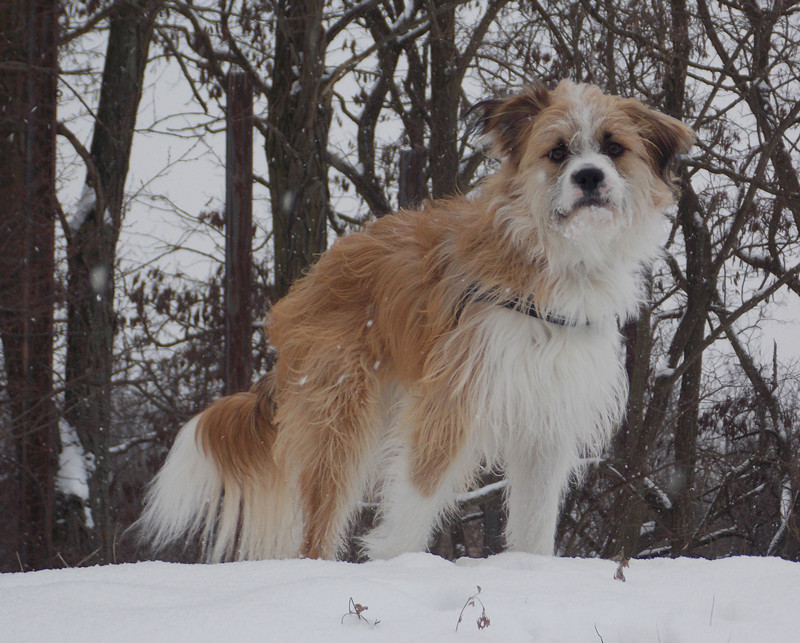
(596, 167)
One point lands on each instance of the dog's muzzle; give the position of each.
(589, 179)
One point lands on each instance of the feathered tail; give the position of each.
(219, 482)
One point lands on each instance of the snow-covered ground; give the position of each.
(415, 597)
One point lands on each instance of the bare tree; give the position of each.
(298, 118)
(92, 235)
(663, 471)
(28, 68)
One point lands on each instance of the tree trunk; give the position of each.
(297, 139)
(698, 300)
(411, 188)
(698, 293)
(29, 31)
(238, 232)
(445, 94)
(92, 253)
(633, 442)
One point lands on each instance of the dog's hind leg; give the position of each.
(331, 485)
(328, 450)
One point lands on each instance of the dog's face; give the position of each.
(592, 168)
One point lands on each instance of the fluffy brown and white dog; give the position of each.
(479, 331)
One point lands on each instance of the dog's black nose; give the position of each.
(588, 179)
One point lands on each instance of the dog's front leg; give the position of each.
(428, 464)
(537, 479)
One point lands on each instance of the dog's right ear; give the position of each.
(504, 120)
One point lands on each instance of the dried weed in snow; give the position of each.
(483, 619)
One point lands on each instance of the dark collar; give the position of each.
(526, 307)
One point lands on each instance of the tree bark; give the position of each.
(698, 300)
(698, 294)
(445, 95)
(633, 442)
(28, 37)
(238, 232)
(297, 138)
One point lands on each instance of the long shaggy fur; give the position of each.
(402, 368)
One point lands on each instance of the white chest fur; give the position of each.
(540, 386)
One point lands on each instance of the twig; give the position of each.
(356, 609)
(483, 619)
(711, 616)
(114, 544)
(622, 563)
(88, 557)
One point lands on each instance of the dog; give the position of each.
(479, 332)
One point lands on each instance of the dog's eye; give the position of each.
(614, 149)
(558, 153)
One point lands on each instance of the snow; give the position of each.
(414, 597)
(664, 372)
(74, 467)
(663, 498)
(588, 221)
(86, 203)
(99, 280)
(406, 16)
(481, 495)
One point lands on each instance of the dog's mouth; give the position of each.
(592, 202)
(586, 202)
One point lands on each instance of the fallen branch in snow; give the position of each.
(697, 541)
(472, 498)
(482, 495)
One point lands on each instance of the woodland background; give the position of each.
(112, 338)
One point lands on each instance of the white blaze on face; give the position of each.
(576, 210)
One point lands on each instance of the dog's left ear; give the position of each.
(504, 120)
(666, 136)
